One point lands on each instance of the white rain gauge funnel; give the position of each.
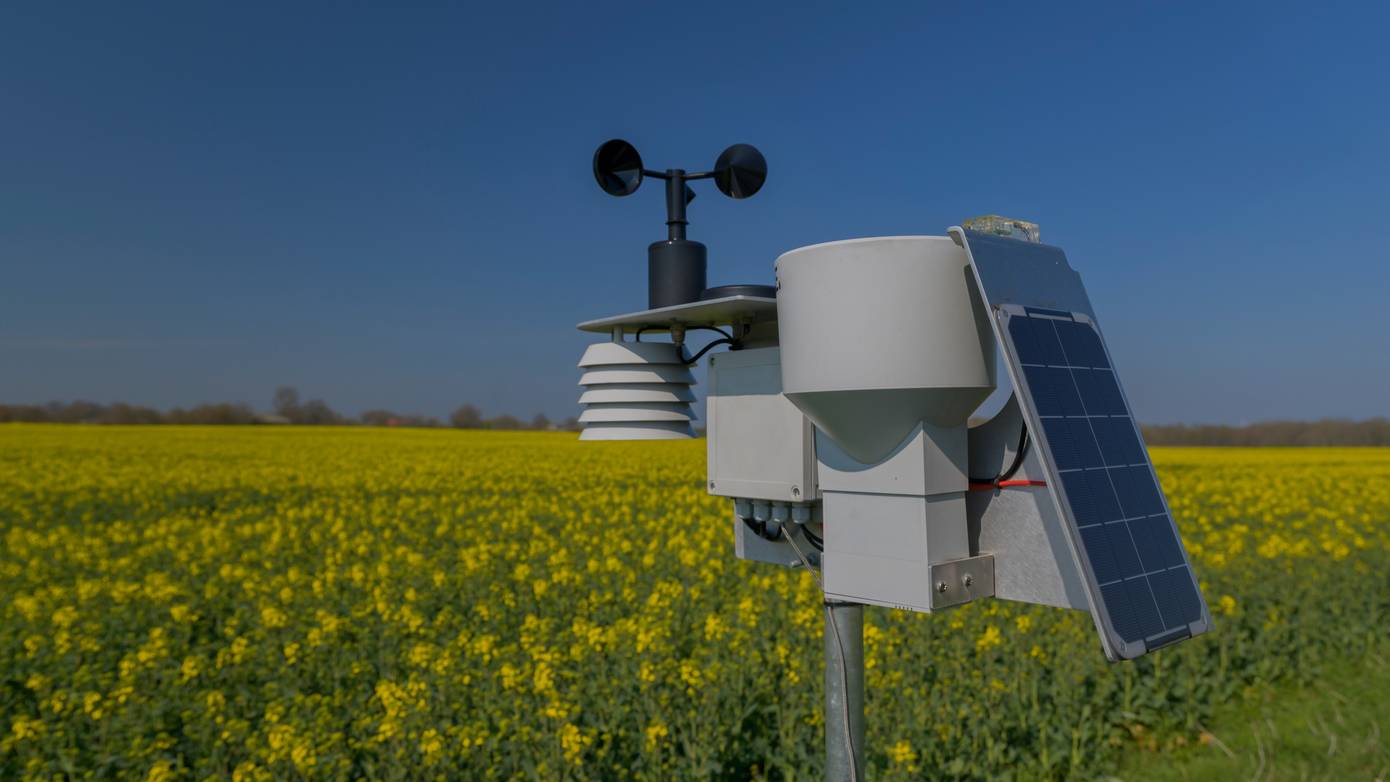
(635, 391)
(879, 335)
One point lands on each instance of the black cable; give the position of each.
(726, 334)
(707, 348)
(815, 540)
(1019, 454)
(638, 336)
(1023, 441)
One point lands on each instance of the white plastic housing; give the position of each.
(635, 391)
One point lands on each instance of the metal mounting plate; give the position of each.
(714, 312)
(959, 581)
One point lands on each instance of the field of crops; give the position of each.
(256, 603)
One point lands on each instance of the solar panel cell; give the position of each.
(1090, 496)
(1122, 615)
(1054, 391)
(1080, 344)
(1141, 601)
(1100, 395)
(1096, 539)
(1036, 341)
(1118, 443)
(1177, 599)
(1122, 547)
(1136, 490)
(1157, 547)
(1072, 443)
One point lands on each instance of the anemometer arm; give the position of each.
(647, 172)
(678, 195)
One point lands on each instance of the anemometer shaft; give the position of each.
(675, 204)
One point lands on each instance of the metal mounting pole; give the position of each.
(844, 691)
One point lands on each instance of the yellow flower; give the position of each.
(24, 728)
(714, 627)
(573, 742)
(64, 617)
(509, 675)
(544, 679)
(303, 756)
(656, 732)
(161, 772)
(990, 639)
(272, 617)
(190, 668)
(690, 674)
(431, 744)
(902, 753)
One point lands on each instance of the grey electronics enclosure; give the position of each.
(761, 454)
(760, 446)
(1137, 576)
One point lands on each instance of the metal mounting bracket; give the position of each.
(960, 581)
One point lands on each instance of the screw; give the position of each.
(941, 587)
(796, 492)
(968, 580)
(711, 485)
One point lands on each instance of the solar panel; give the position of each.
(1142, 589)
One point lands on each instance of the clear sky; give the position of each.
(392, 207)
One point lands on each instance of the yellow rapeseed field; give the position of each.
(258, 603)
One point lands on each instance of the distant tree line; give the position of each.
(287, 409)
(1329, 431)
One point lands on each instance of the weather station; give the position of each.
(841, 425)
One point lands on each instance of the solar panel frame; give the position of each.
(1136, 608)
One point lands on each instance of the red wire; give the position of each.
(1005, 484)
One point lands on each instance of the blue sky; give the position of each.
(392, 207)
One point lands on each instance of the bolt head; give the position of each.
(968, 580)
(941, 587)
